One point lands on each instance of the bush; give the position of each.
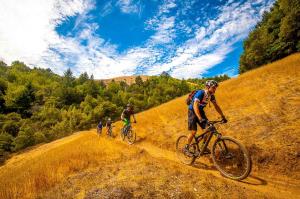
(11, 127)
(39, 137)
(23, 140)
(6, 141)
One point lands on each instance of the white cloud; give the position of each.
(166, 7)
(164, 32)
(27, 28)
(27, 33)
(129, 6)
(211, 43)
(107, 9)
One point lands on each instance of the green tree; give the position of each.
(139, 81)
(83, 78)
(6, 141)
(276, 36)
(68, 78)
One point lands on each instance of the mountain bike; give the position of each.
(109, 131)
(99, 131)
(128, 133)
(230, 157)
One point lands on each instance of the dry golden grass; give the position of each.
(263, 108)
(263, 111)
(34, 174)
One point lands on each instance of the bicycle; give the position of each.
(109, 132)
(99, 131)
(229, 156)
(127, 132)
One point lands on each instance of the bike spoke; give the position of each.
(230, 158)
(184, 155)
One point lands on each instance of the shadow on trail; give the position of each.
(200, 165)
(139, 139)
(250, 180)
(254, 180)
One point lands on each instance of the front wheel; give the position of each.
(186, 157)
(131, 136)
(123, 133)
(231, 158)
(109, 133)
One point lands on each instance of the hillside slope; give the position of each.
(263, 111)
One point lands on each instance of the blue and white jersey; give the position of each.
(203, 97)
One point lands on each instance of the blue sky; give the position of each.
(195, 38)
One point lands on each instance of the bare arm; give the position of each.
(134, 117)
(196, 109)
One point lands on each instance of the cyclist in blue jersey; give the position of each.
(99, 127)
(196, 114)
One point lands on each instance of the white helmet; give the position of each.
(210, 83)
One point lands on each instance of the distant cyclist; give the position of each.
(99, 127)
(108, 125)
(196, 114)
(126, 114)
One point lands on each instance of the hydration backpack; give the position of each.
(189, 99)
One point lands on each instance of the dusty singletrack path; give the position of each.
(276, 188)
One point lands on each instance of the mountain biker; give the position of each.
(108, 125)
(126, 114)
(99, 127)
(196, 114)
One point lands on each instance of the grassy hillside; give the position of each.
(263, 111)
(262, 107)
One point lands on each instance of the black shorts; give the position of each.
(193, 120)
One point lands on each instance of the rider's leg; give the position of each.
(192, 126)
(203, 126)
(126, 124)
(191, 136)
(99, 130)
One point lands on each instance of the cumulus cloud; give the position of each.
(28, 33)
(27, 28)
(212, 42)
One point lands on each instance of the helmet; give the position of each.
(129, 105)
(210, 83)
(109, 119)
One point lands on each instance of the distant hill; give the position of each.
(128, 79)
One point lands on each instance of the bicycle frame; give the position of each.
(212, 131)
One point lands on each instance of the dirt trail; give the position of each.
(280, 187)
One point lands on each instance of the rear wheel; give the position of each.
(186, 157)
(231, 158)
(98, 131)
